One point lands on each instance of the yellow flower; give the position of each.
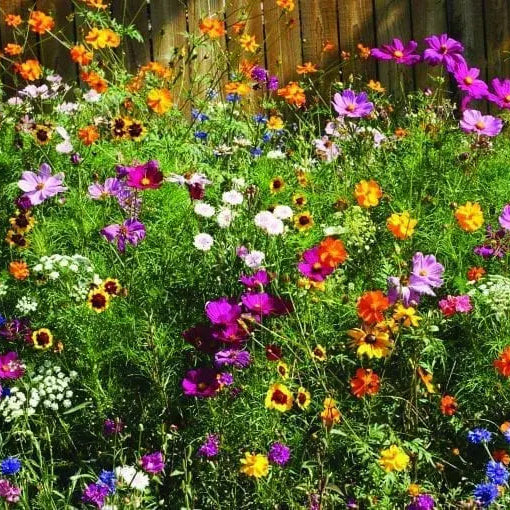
(275, 123)
(283, 370)
(401, 225)
(255, 465)
(330, 414)
(408, 315)
(469, 216)
(276, 185)
(279, 397)
(98, 300)
(376, 86)
(414, 489)
(374, 343)
(367, 193)
(42, 339)
(319, 353)
(303, 398)
(159, 100)
(248, 43)
(393, 459)
(303, 221)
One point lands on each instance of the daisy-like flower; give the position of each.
(204, 210)
(371, 342)
(502, 364)
(401, 225)
(276, 185)
(319, 353)
(398, 52)
(408, 316)
(147, 176)
(256, 465)
(111, 286)
(469, 216)
(111, 188)
(350, 104)
(303, 398)
(303, 221)
(367, 193)
(279, 398)
(501, 95)
(232, 197)
(131, 231)
(42, 339)
(467, 81)
(365, 382)
(203, 242)
(40, 186)
(394, 459)
(443, 50)
(98, 300)
(371, 306)
(473, 121)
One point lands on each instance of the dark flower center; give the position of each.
(98, 301)
(279, 397)
(43, 338)
(370, 339)
(304, 220)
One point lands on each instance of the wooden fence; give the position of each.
(288, 39)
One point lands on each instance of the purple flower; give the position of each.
(256, 281)
(479, 435)
(398, 52)
(153, 463)
(422, 502)
(273, 83)
(443, 50)
(467, 80)
(111, 188)
(397, 290)
(455, 304)
(201, 337)
(201, 382)
(109, 479)
(312, 267)
(210, 447)
(131, 231)
(496, 472)
(485, 494)
(10, 366)
(279, 454)
(259, 74)
(113, 427)
(504, 218)
(232, 333)
(226, 379)
(326, 149)
(10, 492)
(426, 273)
(350, 104)
(496, 244)
(223, 311)
(146, 176)
(233, 357)
(41, 186)
(474, 121)
(95, 494)
(258, 303)
(501, 95)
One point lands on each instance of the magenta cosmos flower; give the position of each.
(474, 122)
(10, 366)
(350, 104)
(262, 303)
(312, 267)
(467, 80)
(147, 176)
(443, 50)
(501, 95)
(504, 218)
(223, 311)
(398, 52)
(256, 281)
(201, 382)
(131, 231)
(42, 185)
(153, 463)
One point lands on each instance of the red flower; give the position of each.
(365, 382)
(273, 352)
(371, 306)
(502, 364)
(449, 405)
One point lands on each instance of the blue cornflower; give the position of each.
(260, 118)
(212, 94)
(496, 472)
(256, 152)
(200, 135)
(3, 320)
(6, 392)
(108, 478)
(198, 115)
(233, 97)
(477, 436)
(267, 136)
(10, 466)
(506, 435)
(486, 493)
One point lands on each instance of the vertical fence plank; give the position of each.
(54, 54)
(168, 22)
(319, 23)
(356, 25)
(429, 17)
(283, 40)
(393, 19)
(134, 12)
(497, 30)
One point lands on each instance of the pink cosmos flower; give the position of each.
(312, 267)
(147, 176)
(10, 366)
(467, 80)
(474, 121)
(504, 218)
(443, 50)
(223, 311)
(398, 52)
(455, 304)
(111, 188)
(41, 186)
(501, 95)
(131, 231)
(350, 104)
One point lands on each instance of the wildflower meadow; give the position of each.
(241, 292)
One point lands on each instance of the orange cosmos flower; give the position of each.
(328, 46)
(502, 364)
(96, 4)
(371, 306)
(88, 135)
(212, 27)
(29, 70)
(401, 225)
(475, 273)
(363, 51)
(81, 55)
(287, 5)
(469, 216)
(12, 20)
(95, 81)
(239, 88)
(376, 86)
(238, 27)
(367, 193)
(330, 415)
(332, 252)
(157, 69)
(365, 382)
(501, 456)
(248, 43)
(19, 270)
(307, 68)
(102, 38)
(13, 49)
(293, 94)
(159, 100)
(427, 380)
(448, 405)
(40, 22)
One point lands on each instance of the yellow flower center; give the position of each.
(480, 125)
(468, 80)
(145, 181)
(398, 54)
(351, 107)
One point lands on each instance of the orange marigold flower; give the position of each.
(238, 27)
(81, 55)
(501, 456)
(365, 382)
(40, 22)
(376, 86)
(502, 364)
(248, 43)
(475, 273)
(401, 225)
(363, 51)
(307, 68)
(332, 252)
(293, 94)
(287, 5)
(29, 70)
(12, 20)
(95, 81)
(504, 427)
(239, 88)
(448, 405)
(330, 415)
(367, 193)
(212, 27)
(401, 132)
(88, 135)
(469, 216)
(371, 306)
(19, 270)
(159, 100)
(157, 69)
(102, 38)
(13, 49)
